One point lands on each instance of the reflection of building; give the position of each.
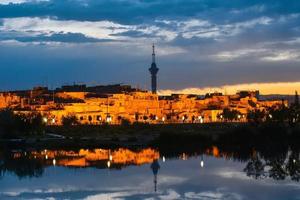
(96, 157)
(155, 167)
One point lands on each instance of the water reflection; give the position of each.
(200, 173)
(155, 167)
(32, 163)
(231, 166)
(258, 164)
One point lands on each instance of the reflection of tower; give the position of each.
(155, 167)
(153, 70)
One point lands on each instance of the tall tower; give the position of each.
(153, 70)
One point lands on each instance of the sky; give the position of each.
(201, 45)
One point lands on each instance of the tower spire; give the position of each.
(153, 53)
(153, 71)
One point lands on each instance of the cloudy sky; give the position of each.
(202, 45)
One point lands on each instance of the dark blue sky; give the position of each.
(200, 43)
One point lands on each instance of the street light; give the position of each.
(45, 120)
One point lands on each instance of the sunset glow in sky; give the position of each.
(264, 88)
(202, 45)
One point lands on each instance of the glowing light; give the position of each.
(108, 119)
(53, 121)
(294, 161)
(108, 164)
(45, 119)
(183, 118)
(164, 159)
(46, 157)
(202, 163)
(110, 157)
(270, 116)
(54, 162)
(163, 119)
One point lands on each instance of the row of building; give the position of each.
(116, 103)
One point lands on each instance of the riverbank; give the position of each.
(141, 135)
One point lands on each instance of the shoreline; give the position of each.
(138, 136)
(89, 136)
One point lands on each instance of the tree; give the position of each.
(277, 170)
(136, 116)
(256, 116)
(36, 123)
(11, 123)
(125, 122)
(293, 166)
(281, 114)
(230, 115)
(255, 168)
(7, 121)
(69, 120)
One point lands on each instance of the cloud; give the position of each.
(108, 30)
(237, 54)
(208, 195)
(47, 26)
(6, 2)
(282, 55)
(255, 8)
(170, 195)
(227, 173)
(263, 54)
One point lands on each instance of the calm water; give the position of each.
(145, 174)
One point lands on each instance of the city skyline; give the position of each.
(201, 47)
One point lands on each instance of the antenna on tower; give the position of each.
(153, 53)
